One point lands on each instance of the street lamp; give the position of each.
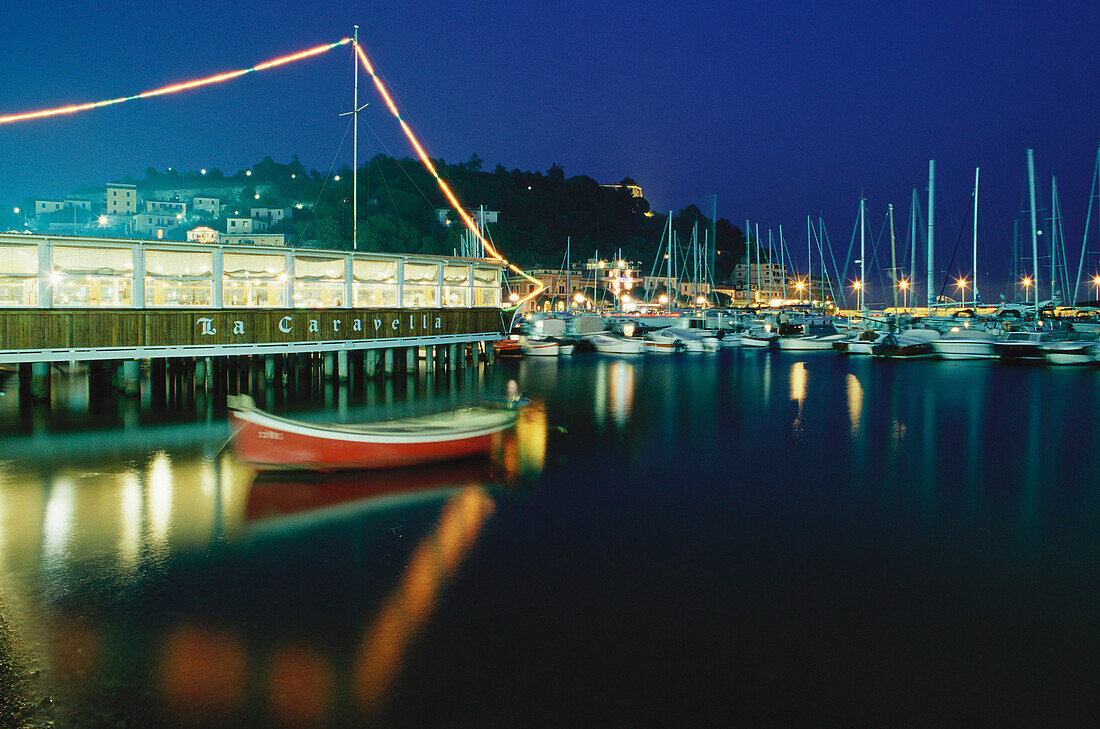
(1026, 283)
(662, 300)
(513, 297)
(1096, 285)
(904, 284)
(960, 284)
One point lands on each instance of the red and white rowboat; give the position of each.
(268, 442)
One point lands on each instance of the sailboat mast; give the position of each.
(862, 253)
(809, 266)
(893, 259)
(931, 231)
(568, 266)
(1034, 230)
(355, 145)
(1053, 238)
(974, 256)
(1088, 220)
(757, 246)
(913, 239)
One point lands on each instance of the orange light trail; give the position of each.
(173, 88)
(443, 186)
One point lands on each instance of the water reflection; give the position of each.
(614, 391)
(855, 402)
(798, 380)
(134, 571)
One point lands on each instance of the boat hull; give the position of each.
(963, 349)
(268, 442)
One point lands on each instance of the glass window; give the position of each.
(374, 282)
(178, 278)
(18, 276)
(254, 279)
(87, 276)
(421, 285)
(318, 281)
(456, 285)
(487, 287)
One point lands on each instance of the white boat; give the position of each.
(539, 347)
(731, 340)
(662, 341)
(614, 344)
(809, 343)
(964, 344)
(1081, 349)
(695, 340)
(1021, 345)
(863, 343)
(758, 338)
(909, 343)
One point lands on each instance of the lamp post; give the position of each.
(1026, 283)
(904, 284)
(1096, 286)
(858, 286)
(800, 285)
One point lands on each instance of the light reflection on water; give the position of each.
(675, 512)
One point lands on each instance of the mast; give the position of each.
(783, 256)
(1034, 230)
(862, 253)
(568, 283)
(1088, 220)
(771, 266)
(913, 238)
(931, 231)
(355, 148)
(757, 246)
(809, 266)
(893, 259)
(974, 256)
(1053, 238)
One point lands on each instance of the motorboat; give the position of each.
(969, 343)
(808, 343)
(908, 343)
(662, 341)
(539, 347)
(270, 442)
(1022, 345)
(863, 343)
(730, 340)
(695, 340)
(508, 347)
(1078, 348)
(616, 344)
(759, 338)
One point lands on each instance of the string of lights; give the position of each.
(282, 60)
(173, 88)
(443, 186)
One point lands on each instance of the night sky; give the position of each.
(781, 108)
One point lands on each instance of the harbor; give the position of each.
(855, 538)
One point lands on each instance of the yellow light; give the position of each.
(800, 285)
(217, 78)
(443, 186)
(904, 284)
(579, 298)
(513, 297)
(663, 299)
(857, 285)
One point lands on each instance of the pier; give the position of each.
(201, 315)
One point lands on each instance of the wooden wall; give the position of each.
(51, 329)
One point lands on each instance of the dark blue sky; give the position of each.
(780, 108)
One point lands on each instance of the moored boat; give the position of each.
(269, 442)
(809, 343)
(1079, 348)
(614, 344)
(662, 342)
(964, 344)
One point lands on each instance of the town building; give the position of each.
(122, 199)
(270, 215)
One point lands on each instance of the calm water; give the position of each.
(742, 539)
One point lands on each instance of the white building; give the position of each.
(244, 226)
(155, 224)
(207, 204)
(167, 207)
(270, 215)
(202, 234)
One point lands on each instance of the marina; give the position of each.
(898, 541)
